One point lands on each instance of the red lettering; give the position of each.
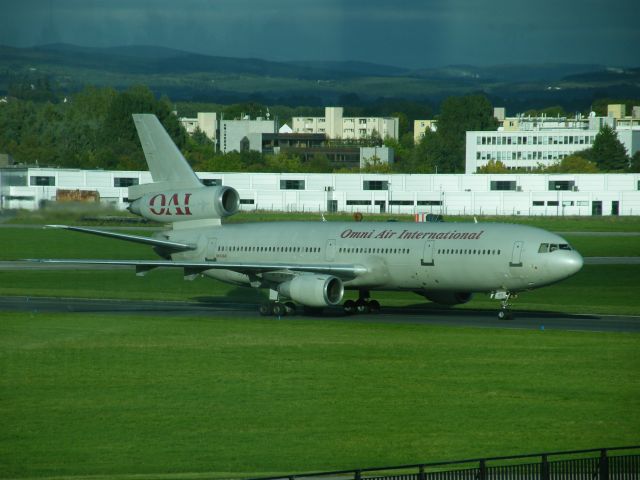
(173, 201)
(161, 204)
(163, 201)
(187, 197)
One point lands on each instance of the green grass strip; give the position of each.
(123, 395)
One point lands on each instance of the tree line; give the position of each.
(94, 129)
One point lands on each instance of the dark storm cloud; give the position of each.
(406, 32)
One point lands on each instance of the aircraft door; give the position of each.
(330, 250)
(212, 249)
(516, 255)
(427, 254)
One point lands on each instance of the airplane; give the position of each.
(311, 264)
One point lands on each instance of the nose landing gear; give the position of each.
(505, 312)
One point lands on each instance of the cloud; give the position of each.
(406, 32)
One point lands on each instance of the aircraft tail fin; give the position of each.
(169, 169)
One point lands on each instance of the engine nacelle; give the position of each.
(182, 205)
(448, 298)
(314, 290)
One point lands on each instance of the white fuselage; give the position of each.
(461, 257)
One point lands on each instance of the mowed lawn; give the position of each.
(122, 395)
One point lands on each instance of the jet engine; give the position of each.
(181, 205)
(447, 298)
(313, 290)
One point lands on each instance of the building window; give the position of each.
(401, 202)
(358, 202)
(538, 203)
(561, 185)
(552, 203)
(375, 185)
(503, 185)
(211, 182)
(291, 184)
(125, 182)
(247, 201)
(42, 181)
(429, 202)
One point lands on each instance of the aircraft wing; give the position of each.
(173, 246)
(343, 271)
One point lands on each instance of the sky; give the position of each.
(406, 33)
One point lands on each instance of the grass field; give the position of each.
(119, 395)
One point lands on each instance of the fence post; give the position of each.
(357, 475)
(544, 468)
(482, 473)
(421, 474)
(604, 465)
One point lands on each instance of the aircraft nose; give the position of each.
(570, 263)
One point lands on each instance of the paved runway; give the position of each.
(213, 308)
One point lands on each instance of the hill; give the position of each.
(191, 76)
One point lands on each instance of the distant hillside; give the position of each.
(191, 76)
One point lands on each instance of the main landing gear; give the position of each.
(278, 309)
(505, 312)
(363, 305)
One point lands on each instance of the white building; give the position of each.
(206, 122)
(336, 126)
(505, 194)
(526, 143)
(243, 135)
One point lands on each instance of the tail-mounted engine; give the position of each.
(191, 204)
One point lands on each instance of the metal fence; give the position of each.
(616, 463)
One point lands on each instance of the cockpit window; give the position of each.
(552, 247)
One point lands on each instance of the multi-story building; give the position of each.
(420, 127)
(336, 126)
(528, 142)
(244, 135)
(206, 122)
(307, 145)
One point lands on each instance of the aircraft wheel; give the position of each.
(362, 306)
(279, 310)
(265, 309)
(374, 306)
(505, 315)
(349, 307)
(291, 308)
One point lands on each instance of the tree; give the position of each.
(572, 164)
(634, 166)
(494, 166)
(446, 147)
(608, 152)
